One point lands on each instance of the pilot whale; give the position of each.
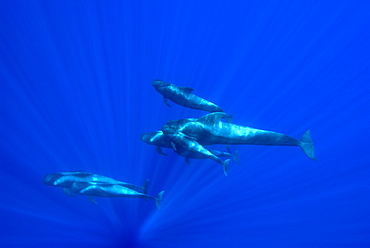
(210, 130)
(159, 140)
(187, 146)
(185, 152)
(183, 97)
(110, 190)
(66, 179)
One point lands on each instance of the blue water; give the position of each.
(76, 94)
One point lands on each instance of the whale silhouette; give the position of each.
(183, 96)
(210, 130)
(66, 179)
(188, 145)
(110, 190)
(159, 140)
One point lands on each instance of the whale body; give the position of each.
(160, 140)
(110, 190)
(183, 96)
(210, 130)
(188, 146)
(66, 179)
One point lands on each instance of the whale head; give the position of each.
(156, 139)
(157, 84)
(50, 179)
(151, 137)
(146, 137)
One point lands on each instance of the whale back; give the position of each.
(212, 118)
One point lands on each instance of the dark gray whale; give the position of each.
(159, 140)
(183, 97)
(188, 146)
(111, 190)
(66, 179)
(210, 130)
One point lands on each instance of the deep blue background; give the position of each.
(76, 94)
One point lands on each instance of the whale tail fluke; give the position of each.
(158, 199)
(235, 155)
(226, 166)
(307, 145)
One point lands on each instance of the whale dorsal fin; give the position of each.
(145, 187)
(212, 118)
(186, 89)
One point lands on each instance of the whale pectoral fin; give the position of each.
(212, 118)
(187, 161)
(67, 191)
(173, 146)
(226, 166)
(92, 200)
(186, 89)
(159, 150)
(166, 101)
